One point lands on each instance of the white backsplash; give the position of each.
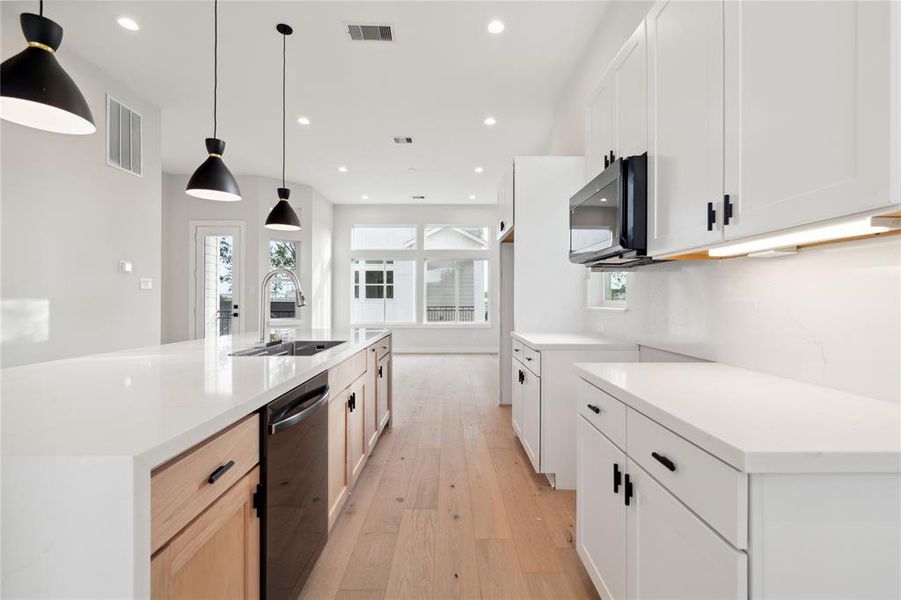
(829, 315)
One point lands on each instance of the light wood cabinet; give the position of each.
(370, 409)
(337, 455)
(354, 403)
(685, 124)
(807, 112)
(218, 554)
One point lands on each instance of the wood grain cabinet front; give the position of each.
(218, 554)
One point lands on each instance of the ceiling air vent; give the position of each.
(370, 33)
(419, 197)
(403, 140)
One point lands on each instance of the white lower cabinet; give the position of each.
(600, 511)
(531, 419)
(516, 397)
(674, 554)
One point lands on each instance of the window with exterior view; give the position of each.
(455, 237)
(456, 291)
(282, 300)
(607, 290)
(384, 291)
(383, 237)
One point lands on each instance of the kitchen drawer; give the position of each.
(532, 360)
(383, 346)
(603, 411)
(517, 350)
(344, 374)
(180, 489)
(711, 488)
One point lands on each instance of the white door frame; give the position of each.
(238, 289)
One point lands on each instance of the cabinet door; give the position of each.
(337, 452)
(516, 387)
(531, 419)
(505, 203)
(218, 554)
(370, 410)
(384, 390)
(674, 554)
(685, 124)
(631, 72)
(808, 112)
(600, 512)
(355, 400)
(601, 138)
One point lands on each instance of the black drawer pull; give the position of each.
(617, 478)
(529, 358)
(220, 471)
(595, 409)
(628, 491)
(664, 461)
(380, 372)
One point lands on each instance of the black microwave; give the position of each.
(608, 218)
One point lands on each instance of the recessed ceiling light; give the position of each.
(128, 23)
(303, 120)
(342, 169)
(490, 121)
(479, 169)
(472, 197)
(365, 197)
(495, 26)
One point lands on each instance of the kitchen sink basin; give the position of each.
(296, 348)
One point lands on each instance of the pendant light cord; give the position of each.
(284, 114)
(41, 8)
(215, 63)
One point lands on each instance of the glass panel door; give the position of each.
(217, 280)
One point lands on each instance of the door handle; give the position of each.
(664, 461)
(727, 209)
(628, 490)
(219, 472)
(711, 216)
(617, 478)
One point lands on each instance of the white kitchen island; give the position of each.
(703, 480)
(81, 436)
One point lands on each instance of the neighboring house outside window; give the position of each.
(607, 290)
(282, 300)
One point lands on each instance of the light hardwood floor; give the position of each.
(448, 505)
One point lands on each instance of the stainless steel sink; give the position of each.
(296, 348)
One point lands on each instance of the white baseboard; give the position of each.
(444, 350)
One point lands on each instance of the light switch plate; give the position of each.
(146, 283)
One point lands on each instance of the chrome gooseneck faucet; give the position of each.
(264, 297)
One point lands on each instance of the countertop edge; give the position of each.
(613, 345)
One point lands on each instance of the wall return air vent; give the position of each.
(123, 137)
(369, 33)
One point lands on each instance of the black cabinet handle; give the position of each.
(529, 358)
(595, 409)
(617, 478)
(516, 349)
(522, 376)
(606, 161)
(219, 472)
(664, 461)
(711, 216)
(380, 372)
(727, 210)
(503, 226)
(628, 490)
(352, 402)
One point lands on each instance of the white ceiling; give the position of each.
(436, 83)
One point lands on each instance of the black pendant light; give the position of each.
(35, 90)
(212, 180)
(282, 217)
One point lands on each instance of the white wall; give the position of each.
(258, 197)
(829, 315)
(321, 284)
(415, 338)
(67, 220)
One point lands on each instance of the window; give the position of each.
(607, 290)
(456, 291)
(383, 237)
(454, 237)
(384, 291)
(282, 299)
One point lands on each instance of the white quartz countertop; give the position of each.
(756, 422)
(571, 341)
(150, 404)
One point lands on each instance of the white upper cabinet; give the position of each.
(807, 111)
(617, 113)
(505, 204)
(685, 124)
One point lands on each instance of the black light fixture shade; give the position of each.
(35, 90)
(212, 180)
(282, 217)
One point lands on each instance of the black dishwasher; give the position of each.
(295, 487)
